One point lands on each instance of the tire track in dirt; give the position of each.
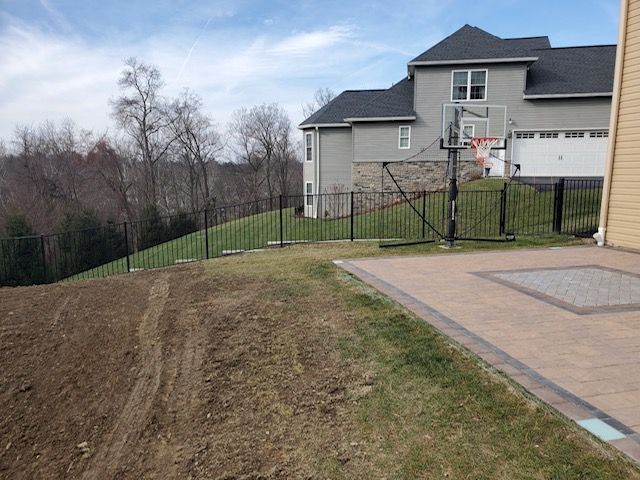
(111, 454)
(182, 390)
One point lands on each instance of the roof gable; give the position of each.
(469, 43)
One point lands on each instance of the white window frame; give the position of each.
(308, 197)
(308, 147)
(400, 137)
(468, 72)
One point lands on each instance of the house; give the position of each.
(620, 212)
(557, 101)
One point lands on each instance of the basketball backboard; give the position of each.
(463, 122)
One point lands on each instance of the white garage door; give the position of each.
(579, 153)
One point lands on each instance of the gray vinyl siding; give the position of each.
(308, 168)
(505, 86)
(335, 160)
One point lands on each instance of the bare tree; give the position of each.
(140, 112)
(199, 145)
(246, 149)
(114, 166)
(321, 97)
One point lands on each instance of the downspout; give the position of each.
(317, 190)
(600, 236)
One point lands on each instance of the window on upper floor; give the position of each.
(308, 146)
(404, 137)
(468, 85)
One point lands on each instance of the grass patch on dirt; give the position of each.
(427, 409)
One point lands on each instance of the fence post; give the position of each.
(206, 233)
(503, 209)
(559, 201)
(126, 242)
(352, 234)
(44, 260)
(424, 212)
(281, 226)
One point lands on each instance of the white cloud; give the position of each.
(49, 76)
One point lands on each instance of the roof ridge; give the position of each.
(526, 38)
(363, 90)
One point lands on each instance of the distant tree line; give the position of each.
(167, 157)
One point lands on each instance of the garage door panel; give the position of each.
(574, 155)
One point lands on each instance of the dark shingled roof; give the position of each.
(341, 107)
(471, 43)
(558, 71)
(529, 43)
(572, 70)
(397, 101)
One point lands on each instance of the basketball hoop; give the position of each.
(482, 147)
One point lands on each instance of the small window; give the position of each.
(574, 135)
(469, 85)
(308, 146)
(600, 134)
(308, 187)
(468, 132)
(548, 134)
(404, 137)
(525, 135)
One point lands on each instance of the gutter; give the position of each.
(425, 63)
(613, 125)
(566, 95)
(322, 125)
(381, 119)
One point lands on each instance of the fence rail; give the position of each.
(566, 206)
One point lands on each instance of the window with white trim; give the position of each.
(308, 146)
(404, 137)
(574, 135)
(525, 135)
(600, 134)
(308, 188)
(468, 85)
(548, 134)
(468, 132)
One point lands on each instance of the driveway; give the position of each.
(562, 322)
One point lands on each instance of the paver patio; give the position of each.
(563, 322)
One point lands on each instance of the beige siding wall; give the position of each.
(623, 227)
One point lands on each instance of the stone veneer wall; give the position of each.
(411, 176)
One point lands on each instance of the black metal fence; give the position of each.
(566, 206)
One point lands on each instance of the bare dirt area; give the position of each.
(169, 374)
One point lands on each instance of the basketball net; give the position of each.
(482, 148)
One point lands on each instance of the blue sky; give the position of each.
(61, 58)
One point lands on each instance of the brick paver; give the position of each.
(562, 322)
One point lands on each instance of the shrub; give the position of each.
(20, 254)
(151, 230)
(84, 242)
(181, 224)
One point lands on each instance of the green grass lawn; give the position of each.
(427, 408)
(529, 212)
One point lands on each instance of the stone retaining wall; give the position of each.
(411, 176)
